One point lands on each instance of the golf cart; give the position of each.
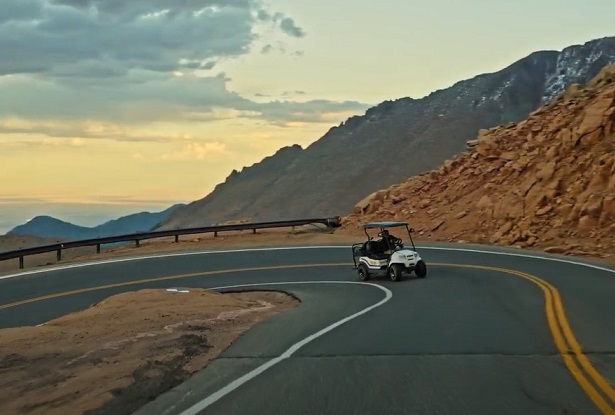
(388, 255)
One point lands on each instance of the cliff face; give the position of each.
(393, 141)
(547, 181)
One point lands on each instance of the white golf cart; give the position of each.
(388, 255)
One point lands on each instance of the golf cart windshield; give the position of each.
(381, 225)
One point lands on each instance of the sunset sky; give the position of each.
(110, 107)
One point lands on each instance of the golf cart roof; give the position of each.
(378, 225)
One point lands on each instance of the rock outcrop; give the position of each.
(548, 181)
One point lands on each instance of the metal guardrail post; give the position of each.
(137, 243)
(98, 248)
(59, 255)
(176, 238)
(21, 262)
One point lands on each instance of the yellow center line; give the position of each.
(561, 332)
(573, 343)
(156, 279)
(554, 310)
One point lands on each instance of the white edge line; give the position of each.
(545, 258)
(179, 254)
(199, 406)
(155, 256)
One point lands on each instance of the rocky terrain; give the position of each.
(120, 353)
(547, 181)
(392, 141)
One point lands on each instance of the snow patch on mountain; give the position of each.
(574, 64)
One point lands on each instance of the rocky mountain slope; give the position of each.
(548, 181)
(392, 141)
(50, 227)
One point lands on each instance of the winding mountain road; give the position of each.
(495, 331)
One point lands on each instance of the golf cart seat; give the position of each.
(375, 250)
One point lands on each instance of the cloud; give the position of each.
(75, 142)
(20, 10)
(284, 113)
(115, 111)
(296, 92)
(286, 24)
(289, 27)
(199, 151)
(78, 130)
(92, 69)
(100, 38)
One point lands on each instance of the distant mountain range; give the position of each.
(50, 227)
(392, 141)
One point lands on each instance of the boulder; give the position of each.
(544, 210)
(587, 224)
(546, 172)
(593, 114)
(608, 210)
(508, 155)
(461, 214)
(556, 249)
(571, 91)
(593, 206)
(366, 205)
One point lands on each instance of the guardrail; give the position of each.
(332, 222)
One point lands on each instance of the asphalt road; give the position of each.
(477, 336)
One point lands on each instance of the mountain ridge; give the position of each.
(45, 226)
(392, 141)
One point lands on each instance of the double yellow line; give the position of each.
(569, 348)
(593, 384)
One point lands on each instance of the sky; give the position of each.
(109, 107)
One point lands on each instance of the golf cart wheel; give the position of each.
(395, 271)
(363, 272)
(421, 269)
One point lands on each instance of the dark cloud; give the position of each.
(69, 63)
(287, 24)
(20, 10)
(297, 92)
(39, 36)
(124, 9)
(289, 27)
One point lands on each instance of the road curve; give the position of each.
(488, 331)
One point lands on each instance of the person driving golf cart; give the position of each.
(389, 241)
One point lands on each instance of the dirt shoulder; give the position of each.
(119, 354)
